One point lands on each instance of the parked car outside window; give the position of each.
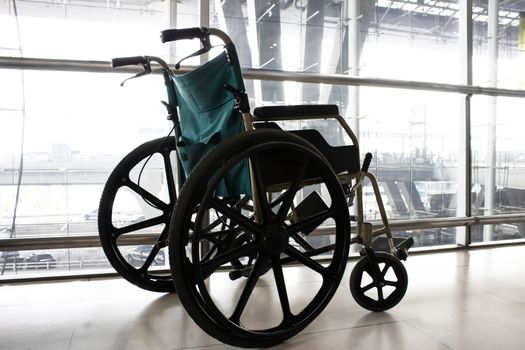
(507, 231)
(92, 215)
(10, 257)
(40, 261)
(138, 256)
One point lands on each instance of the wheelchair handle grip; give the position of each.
(366, 162)
(129, 61)
(181, 34)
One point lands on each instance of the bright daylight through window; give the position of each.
(63, 132)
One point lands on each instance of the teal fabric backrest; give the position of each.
(207, 116)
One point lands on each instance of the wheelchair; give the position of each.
(247, 203)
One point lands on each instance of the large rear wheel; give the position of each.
(268, 306)
(138, 201)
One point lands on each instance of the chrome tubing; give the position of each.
(260, 74)
(87, 241)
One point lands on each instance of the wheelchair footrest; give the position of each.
(236, 274)
(401, 246)
(313, 204)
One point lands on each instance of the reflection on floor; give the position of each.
(456, 300)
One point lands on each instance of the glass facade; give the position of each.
(497, 147)
(62, 133)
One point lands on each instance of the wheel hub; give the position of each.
(275, 239)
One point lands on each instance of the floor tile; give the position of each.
(455, 300)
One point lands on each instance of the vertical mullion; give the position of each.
(353, 15)
(171, 8)
(204, 21)
(352, 12)
(490, 177)
(465, 179)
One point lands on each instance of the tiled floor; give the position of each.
(458, 300)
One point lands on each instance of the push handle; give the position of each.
(181, 34)
(366, 162)
(129, 61)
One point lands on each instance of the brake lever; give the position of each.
(147, 70)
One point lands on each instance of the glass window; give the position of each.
(53, 262)
(498, 163)
(497, 140)
(51, 29)
(73, 128)
(74, 135)
(410, 40)
(499, 59)
(413, 137)
(285, 35)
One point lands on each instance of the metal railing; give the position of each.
(56, 265)
(257, 74)
(260, 74)
(89, 241)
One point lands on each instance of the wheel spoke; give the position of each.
(312, 221)
(242, 202)
(302, 242)
(380, 294)
(235, 216)
(210, 253)
(260, 190)
(222, 219)
(140, 225)
(277, 200)
(154, 251)
(248, 289)
(219, 233)
(367, 287)
(314, 265)
(290, 194)
(210, 266)
(169, 177)
(211, 226)
(148, 196)
(162, 241)
(385, 270)
(308, 253)
(374, 272)
(390, 283)
(281, 288)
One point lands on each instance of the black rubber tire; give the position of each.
(381, 304)
(150, 280)
(191, 279)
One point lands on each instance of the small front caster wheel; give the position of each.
(383, 292)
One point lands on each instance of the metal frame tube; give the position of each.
(354, 52)
(490, 177)
(464, 206)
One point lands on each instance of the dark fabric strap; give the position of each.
(196, 53)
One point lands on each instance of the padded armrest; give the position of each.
(295, 111)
